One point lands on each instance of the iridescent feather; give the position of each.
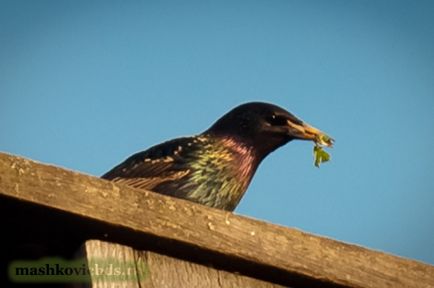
(211, 171)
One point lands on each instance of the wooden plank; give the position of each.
(148, 269)
(107, 260)
(290, 256)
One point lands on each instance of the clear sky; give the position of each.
(84, 84)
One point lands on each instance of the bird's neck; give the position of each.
(222, 170)
(244, 157)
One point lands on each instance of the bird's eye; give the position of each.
(276, 120)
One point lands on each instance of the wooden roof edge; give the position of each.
(285, 250)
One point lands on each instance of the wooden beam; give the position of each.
(285, 253)
(153, 270)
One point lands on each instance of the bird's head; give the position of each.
(264, 127)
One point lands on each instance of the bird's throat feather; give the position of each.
(222, 171)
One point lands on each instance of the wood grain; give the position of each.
(286, 252)
(154, 270)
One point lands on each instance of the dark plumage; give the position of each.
(215, 167)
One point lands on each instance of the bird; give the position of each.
(215, 167)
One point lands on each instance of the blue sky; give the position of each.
(84, 84)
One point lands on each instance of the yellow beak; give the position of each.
(306, 132)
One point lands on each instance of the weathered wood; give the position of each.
(284, 252)
(154, 270)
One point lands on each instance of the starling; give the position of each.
(215, 167)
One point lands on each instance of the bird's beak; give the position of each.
(304, 131)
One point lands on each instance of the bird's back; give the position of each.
(203, 169)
